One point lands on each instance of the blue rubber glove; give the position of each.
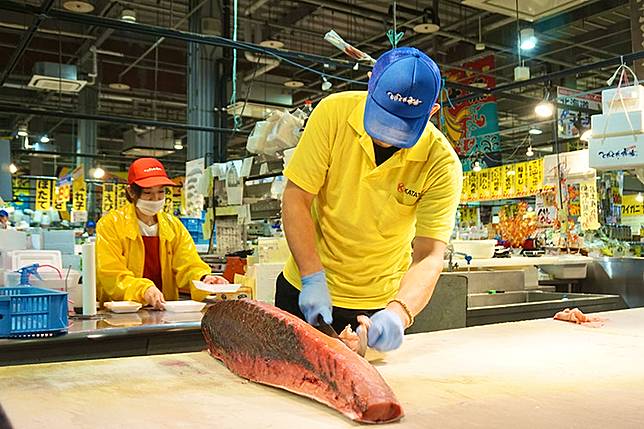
(314, 298)
(386, 331)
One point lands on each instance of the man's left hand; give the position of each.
(214, 280)
(386, 331)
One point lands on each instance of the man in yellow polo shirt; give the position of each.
(370, 176)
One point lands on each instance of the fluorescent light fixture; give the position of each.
(529, 152)
(477, 167)
(528, 39)
(426, 28)
(128, 15)
(479, 46)
(12, 168)
(639, 198)
(535, 131)
(98, 173)
(44, 139)
(178, 145)
(544, 109)
(586, 135)
(326, 85)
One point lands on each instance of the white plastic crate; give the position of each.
(632, 98)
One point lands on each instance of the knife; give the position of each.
(325, 328)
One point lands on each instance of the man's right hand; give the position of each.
(154, 297)
(314, 298)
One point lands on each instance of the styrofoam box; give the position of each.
(631, 96)
(11, 239)
(21, 258)
(616, 124)
(619, 152)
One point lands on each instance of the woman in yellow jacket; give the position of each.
(144, 254)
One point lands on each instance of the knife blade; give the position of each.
(325, 328)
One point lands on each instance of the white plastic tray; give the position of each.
(123, 306)
(183, 306)
(217, 288)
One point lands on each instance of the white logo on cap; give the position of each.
(406, 100)
(151, 169)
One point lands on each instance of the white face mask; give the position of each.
(150, 208)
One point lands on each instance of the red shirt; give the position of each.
(152, 264)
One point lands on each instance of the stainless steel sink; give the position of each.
(525, 297)
(511, 306)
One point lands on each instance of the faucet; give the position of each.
(452, 266)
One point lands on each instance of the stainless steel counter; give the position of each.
(532, 374)
(623, 276)
(110, 335)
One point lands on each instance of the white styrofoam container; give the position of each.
(11, 239)
(21, 258)
(619, 152)
(51, 279)
(184, 306)
(566, 272)
(479, 249)
(632, 97)
(616, 124)
(123, 306)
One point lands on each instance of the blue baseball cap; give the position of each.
(403, 88)
(90, 224)
(4, 213)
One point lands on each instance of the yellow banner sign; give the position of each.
(44, 194)
(121, 199)
(79, 195)
(109, 197)
(632, 207)
(507, 181)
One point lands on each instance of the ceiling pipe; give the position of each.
(15, 109)
(171, 34)
(13, 26)
(40, 17)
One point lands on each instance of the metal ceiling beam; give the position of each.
(629, 58)
(157, 31)
(15, 109)
(39, 18)
(584, 12)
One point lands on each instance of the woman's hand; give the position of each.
(215, 280)
(154, 297)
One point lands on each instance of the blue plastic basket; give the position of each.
(192, 224)
(29, 312)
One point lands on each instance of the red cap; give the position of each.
(148, 172)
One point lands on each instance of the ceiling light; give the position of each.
(477, 167)
(44, 139)
(119, 86)
(529, 152)
(326, 85)
(293, 84)
(639, 197)
(128, 15)
(480, 46)
(12, 168)
(535, 131)
(528, 39)
(273, 44)
(586, 135)
(544, 109)
(79, 6)
(178, 145)
(98, 173)
(22, 130)
(356, 66)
